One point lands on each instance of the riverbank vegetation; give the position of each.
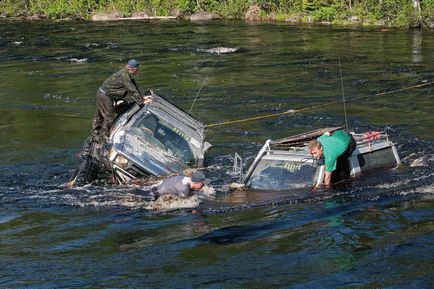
(395, 13)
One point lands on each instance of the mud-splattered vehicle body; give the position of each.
(156, 139)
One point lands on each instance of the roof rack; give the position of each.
(301, 139)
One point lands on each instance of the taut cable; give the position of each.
(293, 111)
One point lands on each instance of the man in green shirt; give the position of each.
(115, 88)
(335, 147)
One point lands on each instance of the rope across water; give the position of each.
(293, 111)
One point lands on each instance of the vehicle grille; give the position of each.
(137, 171)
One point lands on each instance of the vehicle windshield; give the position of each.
(150, 129)
(282, 175)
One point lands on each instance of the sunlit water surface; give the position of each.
(376, 234)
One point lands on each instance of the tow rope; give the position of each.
(293, 111)
(201, 86)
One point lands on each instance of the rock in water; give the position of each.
(78, 60)
(107, 16)
(204, 16)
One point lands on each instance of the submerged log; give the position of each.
(147, 18)
(204, 16)
(107, 16)
(116, 16)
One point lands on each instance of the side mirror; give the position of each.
(238, 166)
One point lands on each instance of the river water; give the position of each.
(376, 234)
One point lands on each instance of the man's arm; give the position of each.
(328, 179)
(132, 87)
(327, 182)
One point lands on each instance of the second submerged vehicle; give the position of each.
(286, 163)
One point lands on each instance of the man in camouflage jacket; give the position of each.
(115, 88)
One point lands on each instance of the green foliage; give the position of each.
(14, 7)
(226, 8)
(312, 5)
(394, 12)
(282, 16)
(281, 6)
(427, 11)
(232, 8)
(262, 14)
(158, 7)
(63, 8)
(187, 6)
(126, 7)
(325, 14)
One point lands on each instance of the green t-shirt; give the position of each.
(333, 147)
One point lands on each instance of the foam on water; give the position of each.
(130, 197)
(168, 202)
(218, 50)
(78, 60)
(213, 50)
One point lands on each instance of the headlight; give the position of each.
(112, 154)
(121, 161)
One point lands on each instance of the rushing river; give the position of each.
(376, 234)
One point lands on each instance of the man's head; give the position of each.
(315, 149)
(197, 180)
(133, 66)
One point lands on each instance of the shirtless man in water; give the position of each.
(182, 186)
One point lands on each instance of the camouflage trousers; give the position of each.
(104, 116)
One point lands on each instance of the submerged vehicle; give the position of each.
(156, 139)
(287, 164)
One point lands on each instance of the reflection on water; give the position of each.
(417, 46)
(101, 236)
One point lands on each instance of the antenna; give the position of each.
(201, 86)
(343, 93)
